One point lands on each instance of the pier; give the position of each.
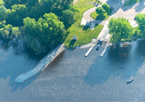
(89, 50)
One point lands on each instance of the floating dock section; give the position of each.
(41, 65)
(89, 51)
(102, 54)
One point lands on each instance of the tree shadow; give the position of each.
(86, 28)
(127, 7)
(117, 63)
(114, 5)
(14, 61)
(101, 17)
(140, 50)
(139, 7)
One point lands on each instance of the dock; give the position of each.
(89, 50)
(102, 54)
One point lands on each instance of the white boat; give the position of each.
(130, 80)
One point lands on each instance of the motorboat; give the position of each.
(130, 80)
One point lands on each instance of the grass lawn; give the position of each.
(131, 2)
(95, 15)
(84, 34)
(0, 2)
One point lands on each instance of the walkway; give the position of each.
(87, 16)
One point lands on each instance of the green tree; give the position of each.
(106, 7)
(100, 10)
(140, 18)
(2, 24)
(46, 33)
(3, 13)
(75, 8)
(16, 14)
(2, 3)
(15, 32)
(120, 29)
(6, 31)
(68, 18)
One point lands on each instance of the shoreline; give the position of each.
(41, 65)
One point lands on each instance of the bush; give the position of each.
(100, 10)
(106, 7)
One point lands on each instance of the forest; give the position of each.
(42, 24)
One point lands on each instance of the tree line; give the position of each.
(121, 29)
(42, 23)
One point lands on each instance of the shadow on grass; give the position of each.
(101, 17)
(86, 27)
(72, 43)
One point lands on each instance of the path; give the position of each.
(87, 16)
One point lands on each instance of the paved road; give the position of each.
(127, 12)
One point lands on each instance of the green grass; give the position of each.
(84, 34)
(95, 15)
(131, 2)
(0, 2)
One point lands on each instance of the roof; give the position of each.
(74, 37)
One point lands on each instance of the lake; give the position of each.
(73, 77)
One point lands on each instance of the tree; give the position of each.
(15, 32)
(100, 10)
(2, 3)
(2, 24)
(45, 33)
(140, 18)
(3, 13)
(120, 29)
(106, 7)
(68, 18)
(16, 14)
(75, 8)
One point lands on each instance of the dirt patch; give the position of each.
(75, 1)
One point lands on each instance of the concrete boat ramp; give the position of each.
(41, 65)
(103, 52)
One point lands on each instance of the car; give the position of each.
(98, 47)
(100, 42)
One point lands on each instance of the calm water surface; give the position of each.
(73, 77)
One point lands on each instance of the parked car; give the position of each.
(100, 42)
(98, 47)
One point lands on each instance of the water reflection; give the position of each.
(119, 62)
(15, 60)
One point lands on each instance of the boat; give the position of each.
(130, 80)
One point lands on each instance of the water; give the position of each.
(73, 77)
